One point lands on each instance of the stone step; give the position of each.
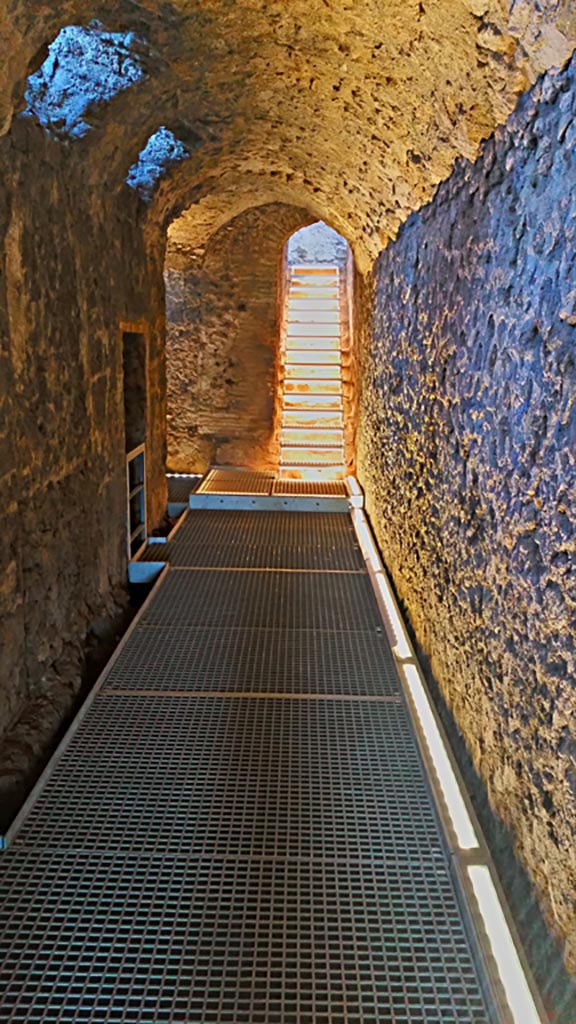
(321, 306)
(335, 410)
(314, 318)
(307, 419)
(302, 437)
(314, 285)
(319, 274)
(300, 357)
(292, 472)
(303, 291)
(308, 373)
(315, 330)
(320, 344)
(313, 387)
(314, 268)
(311, 456)
(311, 401)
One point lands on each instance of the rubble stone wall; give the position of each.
(467, 452)
(73, 265)
(223, 303)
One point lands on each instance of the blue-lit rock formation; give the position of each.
(86, 67)
(466, 453)
(162, 151)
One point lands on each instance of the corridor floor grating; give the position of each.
(267, 778)
(239, 828)
(331, 488)
(269, 529)
(222, 481)
(281, 540)
(257, 660)
(169, 940)
(273, 600)
(186, 553)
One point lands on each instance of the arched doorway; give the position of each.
(315, 372)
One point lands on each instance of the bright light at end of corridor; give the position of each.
(459, 816)
(520, 1000)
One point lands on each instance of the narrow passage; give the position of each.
(239, 828)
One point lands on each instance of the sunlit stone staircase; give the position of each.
(312, 438)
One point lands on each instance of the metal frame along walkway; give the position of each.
(240, 827)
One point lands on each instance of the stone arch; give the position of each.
(223, 324)
(379, 145)
(321, 245)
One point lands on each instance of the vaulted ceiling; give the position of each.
(354, 109)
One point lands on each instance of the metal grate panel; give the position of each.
(180, 487)
(272, 856)
(282, 540)
(295, 529)
(223, 481)
(336, 488)
(155, 553)
(256, 661)
(240, 777)
(251, 600)
(182, 555)
(140, 940)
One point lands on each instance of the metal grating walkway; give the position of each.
(221, 481)
(239, 829)
(265, 540)
(181, 487)
(326, 488)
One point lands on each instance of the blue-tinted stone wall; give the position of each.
(468, 455)
(162, 151)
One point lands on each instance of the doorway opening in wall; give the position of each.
(249, 329)
(134, 360)
(315, 376)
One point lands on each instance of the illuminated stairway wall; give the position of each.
(312, 434)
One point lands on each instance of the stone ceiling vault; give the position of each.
(355, 109)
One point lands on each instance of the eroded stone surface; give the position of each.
(223, 334)
(467, 452)
(317, 243)
(162, 151)
(64, 289)
(85, 68)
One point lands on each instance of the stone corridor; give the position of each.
(160, 166)
(240, 826)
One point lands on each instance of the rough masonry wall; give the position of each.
(468, 457)
(72, 266)
(223, 332)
